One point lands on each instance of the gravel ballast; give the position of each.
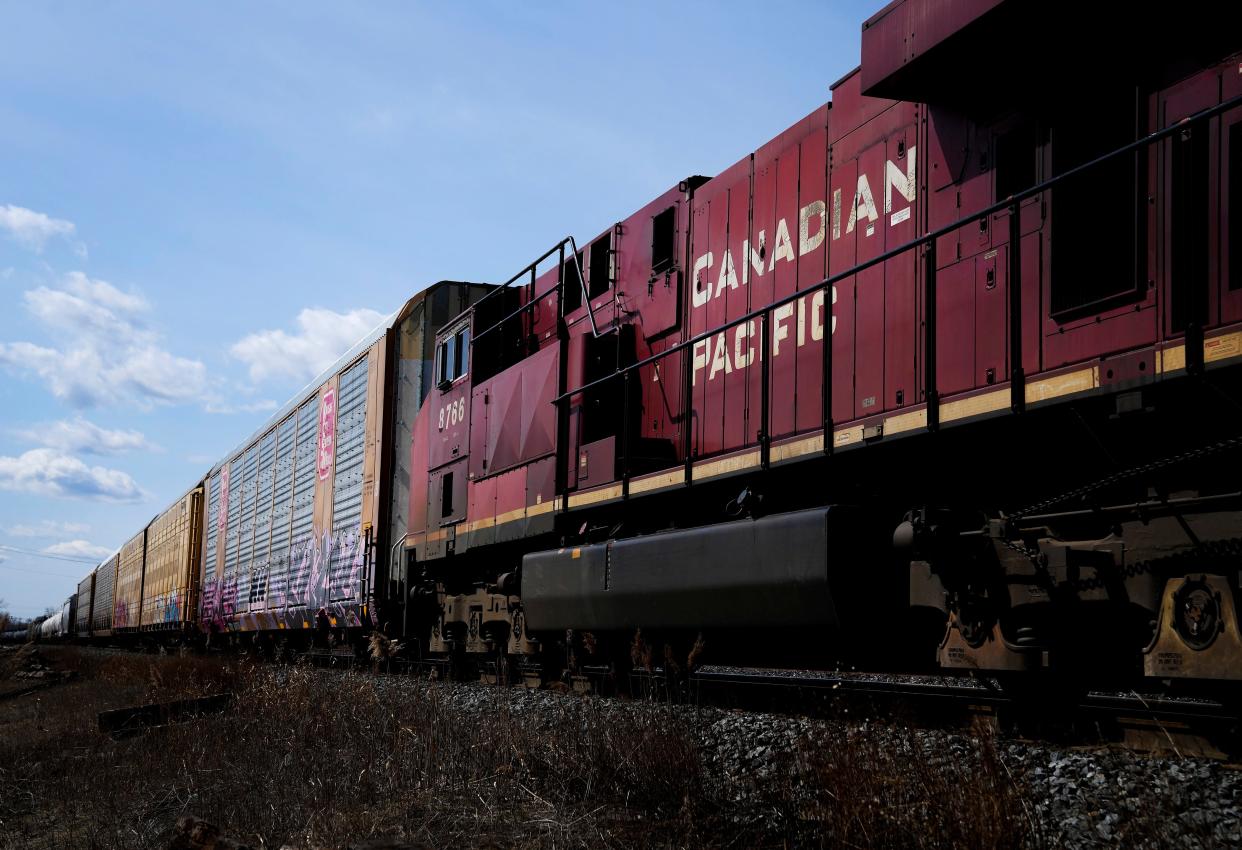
(1068, 797)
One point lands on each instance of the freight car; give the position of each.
(58, 626)
(15, 635)
(944, 375)
(279, 538)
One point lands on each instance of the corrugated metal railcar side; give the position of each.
(86, 597)
(128, 598)
(174, 542)
(291, 515)
(295, 516)
(102, 604)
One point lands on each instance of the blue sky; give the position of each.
(201, 205)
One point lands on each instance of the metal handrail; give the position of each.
(529, 305)
(1011, 203)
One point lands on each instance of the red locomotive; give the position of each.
(1032, 389)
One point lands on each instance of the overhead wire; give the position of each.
(76, 559)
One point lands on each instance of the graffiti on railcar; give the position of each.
(218, 603)
(167, 608)
(321, 570)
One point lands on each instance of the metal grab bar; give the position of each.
(529, 305)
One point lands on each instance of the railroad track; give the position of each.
(1185, 725)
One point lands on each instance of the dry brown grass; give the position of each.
(894, 788)
(326, 759)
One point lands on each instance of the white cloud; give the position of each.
(77, 548)
(32, 229)
(105, 294)
(110, 356)
(321, 337)
(81, 435)
(48, 472)
(48, 528)
(90, 306)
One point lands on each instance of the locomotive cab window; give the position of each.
(663, 238)
(1017, 160)
(1095, 247)
(571, 284)
(1189, 224)
(453, 356)
(1235, 204)
(599, 276)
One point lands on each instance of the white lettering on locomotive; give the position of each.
(808, 242)
(753, 258)
(784, 247)
(702, 290)
(452, 413)
(728, 277)
(736, 347)
(811, 232)
(903, 183)
(864, 201)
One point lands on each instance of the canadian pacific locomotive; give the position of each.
(945, 374)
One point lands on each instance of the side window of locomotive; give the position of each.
(1017, 158)
(1189, 227)
(442, 363)
(1235, 206)
(461, 354)
(453, 357)
(599, 276)
(572, 284)
(1094, 257)
(663, 239)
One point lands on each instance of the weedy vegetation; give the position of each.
(314, 758)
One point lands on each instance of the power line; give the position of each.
(71, 558)
(37, 572)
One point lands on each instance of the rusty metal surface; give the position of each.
(127, 600)
(173, 546)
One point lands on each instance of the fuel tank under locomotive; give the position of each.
(804, 574)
